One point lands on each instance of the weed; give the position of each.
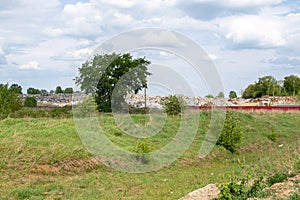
(239, 191)
(26, 193)
(273, 135)
(142, 149)
(277, 178)
(295, 196)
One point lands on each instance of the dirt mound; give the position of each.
(277, 191)
(208, 192)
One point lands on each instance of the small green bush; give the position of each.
(60, 113)
(142, 149)
(30, 102)
(273, 135)
(233, 191)
(240, 191)
(173, 105)
(10, 101)
(256, 190)
(231, 134)
(118, 133)
(277, 178)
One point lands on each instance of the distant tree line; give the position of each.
(58, 90)
(269, 86)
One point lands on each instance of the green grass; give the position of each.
(26, 143)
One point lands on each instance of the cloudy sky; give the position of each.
(42, 43)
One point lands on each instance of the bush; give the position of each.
(233, 191)
(60, 113)
(142, 149)
(10, 101)
(240, 191)
(173, 105)
(277, 178)
(273, 136)
(231, 134)
(30, 102)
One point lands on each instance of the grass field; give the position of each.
(43, 158)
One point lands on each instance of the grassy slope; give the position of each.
(27, 143)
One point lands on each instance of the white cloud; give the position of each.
(249, 3)
(212, 57)
(254, 31)
(115, 3)
(32, 65)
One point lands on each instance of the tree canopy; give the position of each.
(291, 85)
(10, 100)
(90, 72)
(269, 86)
(58, 90)
(130, 75)
(232, 94)
(33, 91)
(16, 88)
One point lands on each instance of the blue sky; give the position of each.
(42, 43)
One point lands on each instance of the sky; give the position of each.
(42, 43)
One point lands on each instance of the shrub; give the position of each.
(60, 113)
(233, 191)
(10, 101)
(240, 191)
(142, 149)
(173, 104)
(231, 134)
(273, 135)
(30, 102)
(277, 178)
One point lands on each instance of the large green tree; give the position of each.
(90, 72)
(291, 85)
(10, 100)
(58, 90)
(266, 85)
(232, 94)
(130, 75)
(252, 91)
(16, 88)
(33, 91)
